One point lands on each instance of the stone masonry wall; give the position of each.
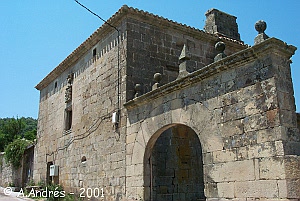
(247, 130)
(241, 109)
(8, 174)
(92, 135)
(92, 153)
(154, 48)
(5, 172)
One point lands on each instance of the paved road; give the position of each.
(11, 197)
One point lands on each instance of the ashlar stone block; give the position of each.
(231, 171)
(226, 189)
(224, 156)
(272, 168)
(232, 128)
(256, 189)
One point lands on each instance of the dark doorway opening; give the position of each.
(176, 166)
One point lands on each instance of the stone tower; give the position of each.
(220, 23)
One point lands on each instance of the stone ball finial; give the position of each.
(220, 46)
(138, 90)
(260, 26)
(138, 87)
(157, 77)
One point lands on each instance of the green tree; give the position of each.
(3, 141)
(30, 135)
(16, 128)
(13, 128)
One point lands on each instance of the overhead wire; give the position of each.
(102, 118)
(119, 70)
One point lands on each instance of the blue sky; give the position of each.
(36, 35)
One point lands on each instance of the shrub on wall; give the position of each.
(15, 151)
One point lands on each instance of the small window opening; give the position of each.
(68, 118)
(55, 85)
(94, 52)
(83, 159)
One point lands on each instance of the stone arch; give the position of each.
(173, 165)
(141, 137)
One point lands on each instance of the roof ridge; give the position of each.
(221, 36)
(66, 63)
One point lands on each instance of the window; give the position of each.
(83, 159)
(94, 52)
(68, 118)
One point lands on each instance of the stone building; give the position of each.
(150, 109)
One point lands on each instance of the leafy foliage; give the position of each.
(15, 151)
(16, 128)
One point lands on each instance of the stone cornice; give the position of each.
(271, 45)
(115, 20)
(164, 23)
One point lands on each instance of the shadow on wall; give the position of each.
(173, 167)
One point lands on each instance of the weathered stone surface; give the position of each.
(245, 135)
(220, 47)
(224, 156)
(231, 171)
(218, 22)
(231, 128)
(226, 190)
(272, 168)
(260, 27)
(257, 189)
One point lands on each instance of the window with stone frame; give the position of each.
(68, 118)
(94, 53)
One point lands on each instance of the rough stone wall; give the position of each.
(154, 48)
(8, 174)
(94, 98)
(92, 135)
(245, 120)
(5, 172)
(241, 108)
(218, 22)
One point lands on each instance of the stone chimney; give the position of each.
(222, 24)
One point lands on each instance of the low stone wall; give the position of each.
(9, 175)
(5, 171)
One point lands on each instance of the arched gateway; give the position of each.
(173, 166)
(245, 150)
